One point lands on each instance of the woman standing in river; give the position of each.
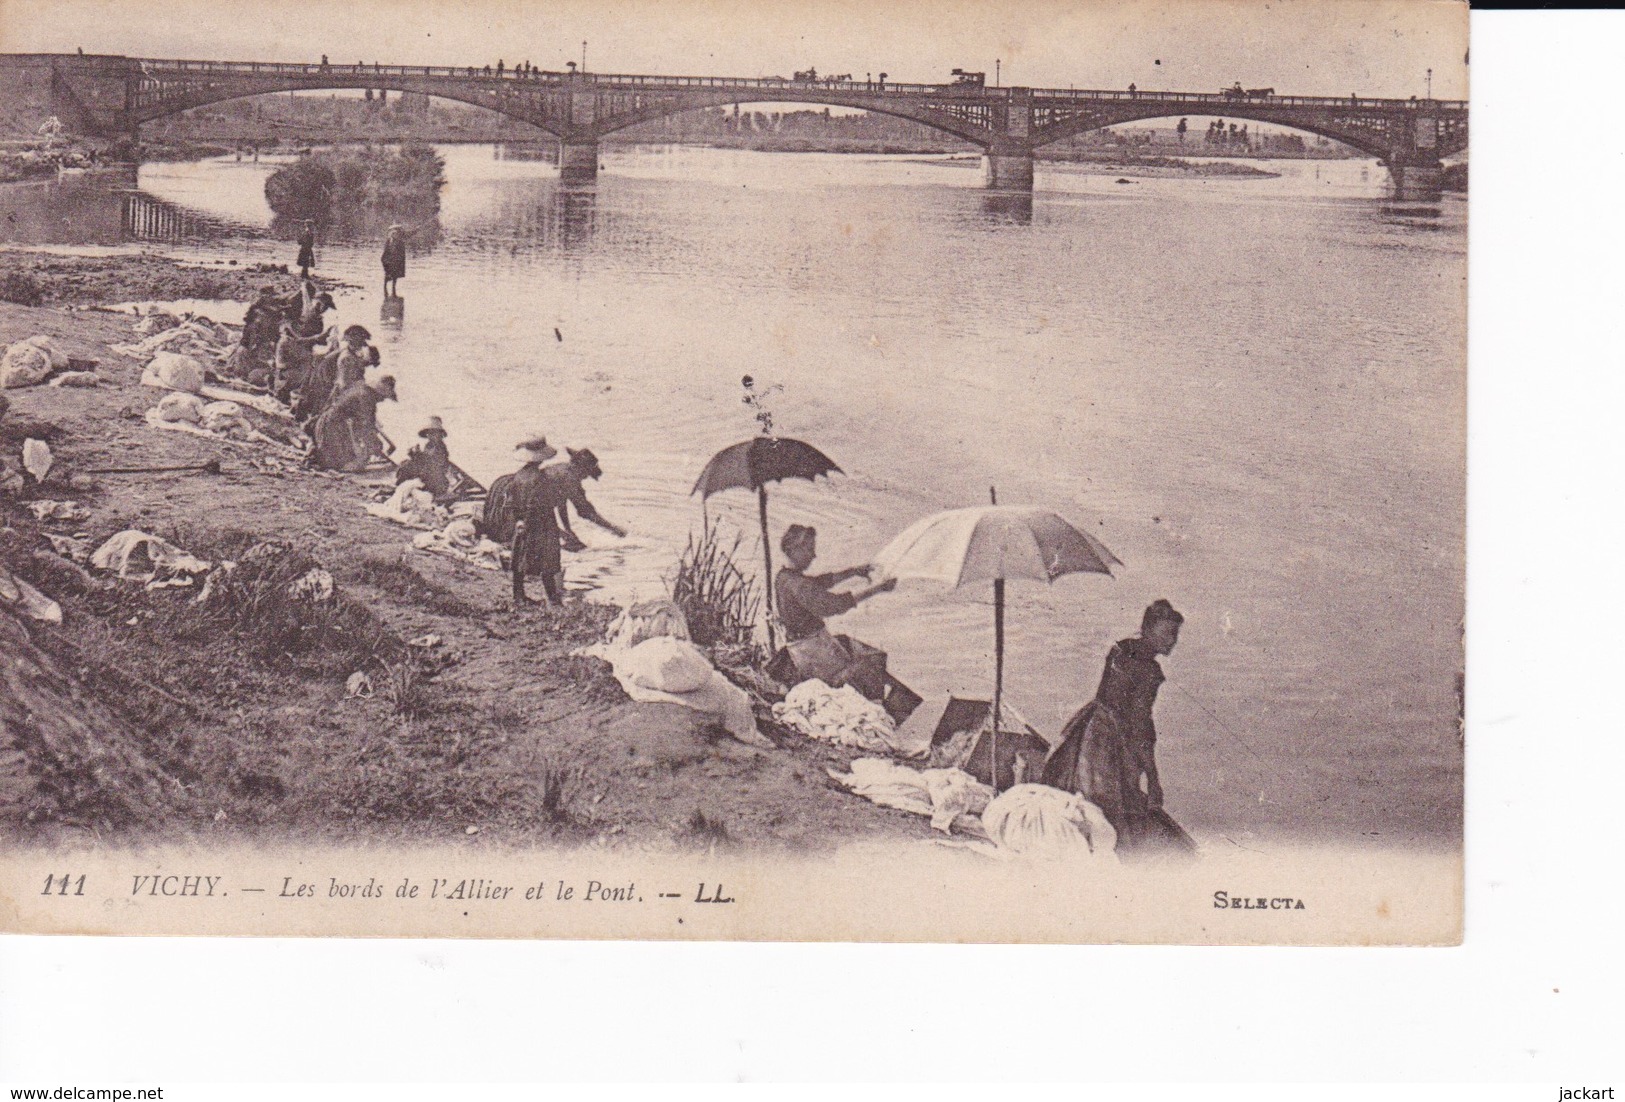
(307, 249)
(394, 259)
(1109, 747)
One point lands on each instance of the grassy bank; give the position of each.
(235, 717)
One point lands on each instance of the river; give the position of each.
(1251, 389)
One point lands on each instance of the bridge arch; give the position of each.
(966, 128)
(1377, 134)
(501, 105)
(1367, 143)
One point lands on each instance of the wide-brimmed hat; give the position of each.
(539, 447)
(433, 428)
(385, 385)
(357, 333)
(324, 300)
(586, 462)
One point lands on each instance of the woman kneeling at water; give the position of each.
(805, 600)
(347, 434)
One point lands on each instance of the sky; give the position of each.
(1299, 47)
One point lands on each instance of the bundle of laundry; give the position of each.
(843, 716)
(18, 596)
(1036, 820)
(943, 794)
(30, 362)
(675, 671)
(461, 539)
(146, 558)
(412, 506)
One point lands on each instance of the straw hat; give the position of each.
(539, 448)
(434, 428)
(357, 333)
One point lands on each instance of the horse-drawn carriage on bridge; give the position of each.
(1236, 91)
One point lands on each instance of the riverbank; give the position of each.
(36, 278)
(502, 739)
(1149, 167)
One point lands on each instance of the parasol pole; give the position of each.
(767, 561)
(998, 659)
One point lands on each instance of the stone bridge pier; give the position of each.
(1007, 160)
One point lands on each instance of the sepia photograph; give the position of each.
(716, 470)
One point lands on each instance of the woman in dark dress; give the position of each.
(394, 259)
(307, 248)
(1109, 746)
(347, 434)
(522, 496)
(429, 462)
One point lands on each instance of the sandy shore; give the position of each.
(514, 742)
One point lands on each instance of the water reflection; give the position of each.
(575, 216)
(1009, 206)
(540, 152)
(392, 314)
(144, 217)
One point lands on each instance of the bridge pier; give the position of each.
(1008, 168)
(578, 162)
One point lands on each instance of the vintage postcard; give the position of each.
(717, 469)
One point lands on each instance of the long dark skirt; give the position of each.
(541, 554)
(1095, 761)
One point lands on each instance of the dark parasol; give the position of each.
(751, 465)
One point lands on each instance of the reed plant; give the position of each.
(720, 601)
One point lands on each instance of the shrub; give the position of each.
(719, 600)
(21, 288)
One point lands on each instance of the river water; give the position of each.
(1252, 390)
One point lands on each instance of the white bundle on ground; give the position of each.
(412, 506)
(77, 379)
(145, 558)
(20, 597)
(943, 794)
(843, 716)
(227, 419)
(172, 371)
(156, 322)
(30, 362)
(675, 671)
(179, 406)
(192, 338)
(58, 510)
(1035, 820)
(648, 620)
(37, 459)
(461, 539)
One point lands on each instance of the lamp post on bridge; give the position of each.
(996, 66)
(1430, 84)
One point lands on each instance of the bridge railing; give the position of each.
(162, 67)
